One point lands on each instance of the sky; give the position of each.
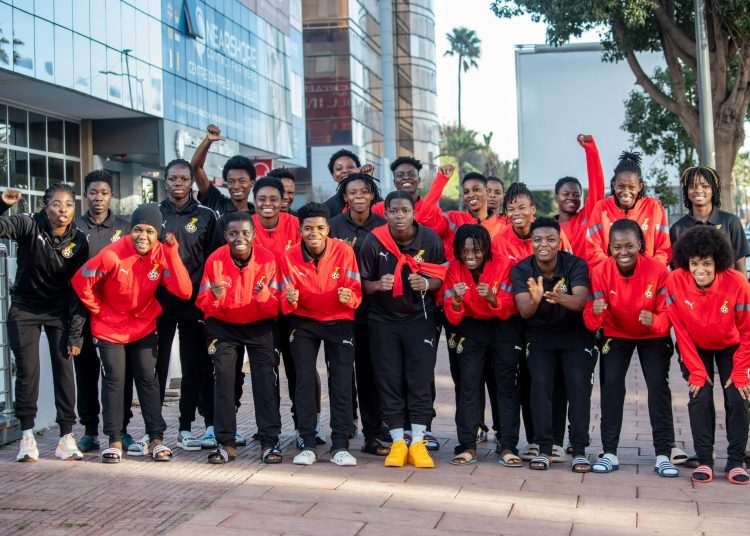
(489, 91)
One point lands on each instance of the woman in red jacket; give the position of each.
(627, 301)
(627, 201)
(118, 287)
(239, 295)
(478, 301)
(709, 306)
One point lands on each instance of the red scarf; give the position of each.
(438, 271)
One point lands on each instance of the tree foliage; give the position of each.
(466, 46)
(634, 26)
(4, 54)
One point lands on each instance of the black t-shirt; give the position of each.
(375, 261)
(100, 235)
(572, 271)
(726, 222)
(219, 203)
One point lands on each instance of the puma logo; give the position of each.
(350, 342)
(124, 271)
(301, 274)
(517, 348)
(588, 351)
(384, 254)
(513, 257)
(431, 342)
(613, 292)
(690, 304)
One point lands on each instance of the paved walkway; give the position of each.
(188, 496)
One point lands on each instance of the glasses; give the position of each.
(57, 205)
(179, 178)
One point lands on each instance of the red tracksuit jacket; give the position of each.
(250, 294)
(626, 297)
(648, 213)
(118, 287)
(283, 237)
(711, 319)
(508, 244)
(497, 274)
(575, 228)
(318, 285)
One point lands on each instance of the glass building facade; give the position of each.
(134, 84)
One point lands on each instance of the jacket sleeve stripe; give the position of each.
(594, 229)
(352, 275)
(742, 307)
(662, 228)
(596, 295)
(85, 272)
(204, 287)
(448, 293)
(670, 299)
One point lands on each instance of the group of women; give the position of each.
(528, 305)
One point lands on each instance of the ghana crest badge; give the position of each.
(649, 293)
(190, 226)
(116, 236)
(153, 275)
(67, 252)
(460, 346)
(289, 244)
(418, 257)
(260, 283)
(724, 307)
(605, 348)
(494, 287)
(212, 347)
(563, 286)
(644, 227)
(336, 273)
(291, 335)
(452, 341)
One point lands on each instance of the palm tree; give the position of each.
(464, 44)
(3, 54)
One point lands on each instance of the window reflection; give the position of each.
(44, 50)
(82, 63)
(63, 57)
(23, 44)
(37, 132)
(38, 168)
(17, 124)
(72, 172)
(3, 124)
(72, 139)
(55, 135)
(3, 167)
(18, 167)
(56, 170)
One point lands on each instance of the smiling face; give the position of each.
(342, 167)
(406, 179)
(268, 202)
(471, 255)
(521, 212)
(358, 197)
(314, 233)
(495, 195)
(703, 270)
(144, 238)
(475, 194)
(60, 209)
(99, 197)
(568, 198)
(624, 247)
(178, 183)
(545, 243)
(627, 185)
(239, 236)
(289, 191)
(700, 192)
(239, 184)
(399, 215)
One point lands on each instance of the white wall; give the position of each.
(566, 91)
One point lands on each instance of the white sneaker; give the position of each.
(344, 458)
(28, 451)
(67, 449)
(306, 457)
(186, 441)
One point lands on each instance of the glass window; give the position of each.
(6, 29)
(98, 15)
(63, 57)
(3, 167)
(154, 37)
(73, 173)
(72, 139)
(114, 37)
(128, 28)
(38, 168)
(44, 50)
(81, 18)
(54, 135)
(141, 39)
(23, 42)
(98, 70)
(37, 131)
(64, 13)
(3, 126)
(18, 167)
(45, 10)
(82, 63)
(114, 75)
(17, 126)
(56, 170)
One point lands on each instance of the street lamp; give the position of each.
(705, 104)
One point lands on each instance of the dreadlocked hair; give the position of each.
(369, 180)
(516, 190)
(625, 225)
(628, 162)
(690, 178)
(477, 233)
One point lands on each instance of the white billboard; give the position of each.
(564, 91)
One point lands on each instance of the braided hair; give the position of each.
(628, 162)
(516, 190)
(690, 178)
(625, 225)
(477, 233)
(58, 187)
(370, 185)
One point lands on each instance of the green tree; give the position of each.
(666, 25)
(4, 54)
(464, 44)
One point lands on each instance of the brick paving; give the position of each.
(188, 496)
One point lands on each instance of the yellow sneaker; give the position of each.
(397, 456)
(419, 457)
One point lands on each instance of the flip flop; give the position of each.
(508, 458)
(111, 455)
(738, 476)
(667, 470)
(702, 475)
(467, 457)
(157, 456)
